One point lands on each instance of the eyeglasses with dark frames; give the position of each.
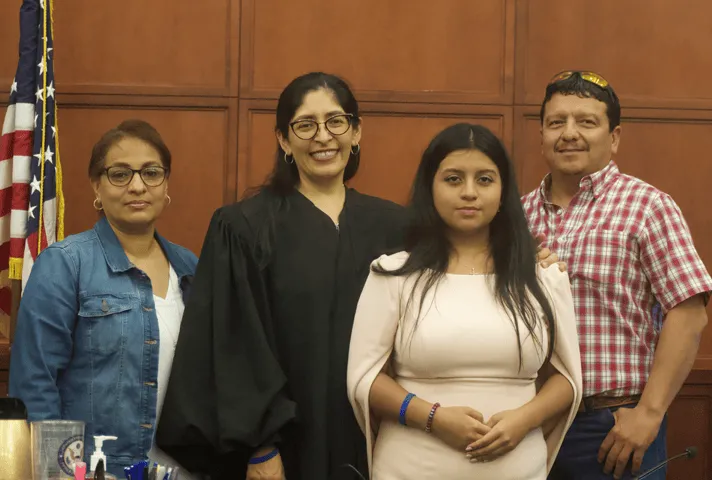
(152, 175)
(307, 129)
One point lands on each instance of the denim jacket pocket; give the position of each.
(106, 318)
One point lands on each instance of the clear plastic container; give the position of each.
(56, 446)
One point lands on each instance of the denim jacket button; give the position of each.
(147, 309)
(146, 425)
(104, 305)
(151, 342)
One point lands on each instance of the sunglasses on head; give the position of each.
(591, 77)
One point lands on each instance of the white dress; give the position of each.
(462, 353)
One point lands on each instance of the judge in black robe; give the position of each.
(262, 354)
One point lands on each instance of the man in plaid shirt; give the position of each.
(630, 254)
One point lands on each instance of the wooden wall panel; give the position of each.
(401, 50)
(654, 52)
(9, 40)
(3, 382)
(690, 424)
(662, 148)
(394, 138)
(161, 47)
(198, 142)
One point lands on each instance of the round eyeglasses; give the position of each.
(152, 176)
(307, 129)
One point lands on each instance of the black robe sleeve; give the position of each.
(226, 394)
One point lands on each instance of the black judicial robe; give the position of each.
(262, 352)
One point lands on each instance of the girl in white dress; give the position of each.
(464, 359)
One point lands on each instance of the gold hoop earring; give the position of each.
(169, 199)
(97, 208)
(287, 161)
(358, 149)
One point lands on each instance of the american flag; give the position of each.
(31, 201)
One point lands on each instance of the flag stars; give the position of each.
(54, 131)
(13, 88)
(35, 185)
(50, 89)
(41, 65)
(48, 155)
(40, 95)
(31, 211)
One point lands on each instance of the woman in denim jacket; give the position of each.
(100, 315)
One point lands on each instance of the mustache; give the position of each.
(563, 144)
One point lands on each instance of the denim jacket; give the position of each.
(86, 345)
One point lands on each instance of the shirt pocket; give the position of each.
(604, 258)
(106, 317)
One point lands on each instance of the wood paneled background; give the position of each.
(207, 74)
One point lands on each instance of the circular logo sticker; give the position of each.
(71, 450)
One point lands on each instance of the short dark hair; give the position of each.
(137, 129)
(576, 85)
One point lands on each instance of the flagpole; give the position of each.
(45, 62)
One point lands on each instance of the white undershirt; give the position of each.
(169, 312)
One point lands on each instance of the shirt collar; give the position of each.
(598, 181)
(116, 257)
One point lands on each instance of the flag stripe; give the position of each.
(21, 196)
(6, 143)
(23, 143)
(21, 169)
(4, 255)
(17, 247)
(5, 174)
(5, 203)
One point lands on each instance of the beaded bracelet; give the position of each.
(264, 458)
(404, 407)
(429, 425)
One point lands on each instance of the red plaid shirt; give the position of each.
(631, 259)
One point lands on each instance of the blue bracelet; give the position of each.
(404, 407)
(264, 458)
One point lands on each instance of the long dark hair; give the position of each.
(512, 247)
(284, 177)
